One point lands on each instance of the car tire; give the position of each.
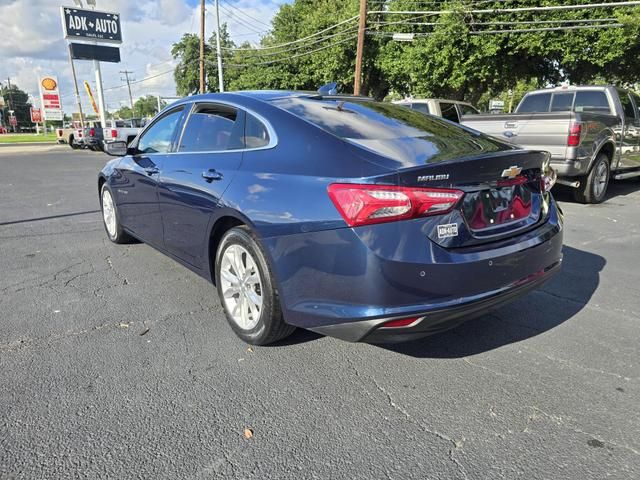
(72, 143)
(111, 219)
(593, 187)
(247, 290)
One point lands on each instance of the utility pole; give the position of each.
(362, 23)
(219, 50)
(202, 14)
(9, 98)
(75, 85)
(126, 79)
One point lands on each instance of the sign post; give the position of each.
(50, 98)
(97, 27)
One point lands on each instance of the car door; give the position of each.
(136, 191)
(194, 178)
(628, 134)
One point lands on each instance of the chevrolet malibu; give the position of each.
(362, 220)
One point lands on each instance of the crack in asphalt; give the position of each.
(576, 365)
(495, 372)
(24, 343)
(122, 277)
(558, 420)
(455, 444)
(51, 234)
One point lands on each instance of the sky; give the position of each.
(32, 43)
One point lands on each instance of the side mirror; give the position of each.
(115, 149)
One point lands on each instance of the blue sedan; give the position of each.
(362, 220)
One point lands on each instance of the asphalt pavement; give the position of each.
(116, 362)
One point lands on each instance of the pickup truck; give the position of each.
(123, 130)
(77, 137)
(591, 132)
(450, 109)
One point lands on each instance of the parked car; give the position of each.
(77, 137)
(123, 130)
(70, 134)
(92, 137)
(450, 109)
(338, 214)
(592, 133)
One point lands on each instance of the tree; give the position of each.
(17, 100)
(455, 54)
(187, 73)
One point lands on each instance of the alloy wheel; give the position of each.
(109, 213)
(241, 286)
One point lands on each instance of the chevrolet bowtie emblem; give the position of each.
(511, 172)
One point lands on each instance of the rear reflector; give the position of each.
(114, 133)
(400, 322)
(575, 133)
(361, 204)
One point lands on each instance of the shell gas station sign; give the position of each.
(50, 98)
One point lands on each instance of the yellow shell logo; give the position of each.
(49, 83)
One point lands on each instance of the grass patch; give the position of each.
(27, 138)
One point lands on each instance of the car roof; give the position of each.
(571, 88)
(427, 100)
(268, 96)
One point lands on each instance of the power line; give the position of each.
(352, 37)
(514, 22)
(241, 22)
(258, 53)
(271, 47)
(229, 4)
(507, 31)
(509, 10)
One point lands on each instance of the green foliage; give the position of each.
(17, 100)
(143, 107)
(448, 58)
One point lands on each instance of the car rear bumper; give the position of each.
(569, 168)
(347, 282)
(437, 318)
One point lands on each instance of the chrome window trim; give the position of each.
(144, 130)
(273, 137)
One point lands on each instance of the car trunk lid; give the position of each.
(502, 195)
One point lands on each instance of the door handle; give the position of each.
(211, 175)
(152, 170)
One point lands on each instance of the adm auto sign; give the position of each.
(80, 24)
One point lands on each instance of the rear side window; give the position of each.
(591, 101)
(256, 134)
(421, 107)
(449, 111)
(467, 109)
(212, 128)
(562, 102)
(627, 105)
(538, 102)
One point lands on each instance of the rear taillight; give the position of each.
(114, 133)
(366, 204)
(92, 132)
(575, 134)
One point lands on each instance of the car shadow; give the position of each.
(617, 188)
(541, 310)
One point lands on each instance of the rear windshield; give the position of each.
(580, 101)
(535, 103)
(391, 130)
